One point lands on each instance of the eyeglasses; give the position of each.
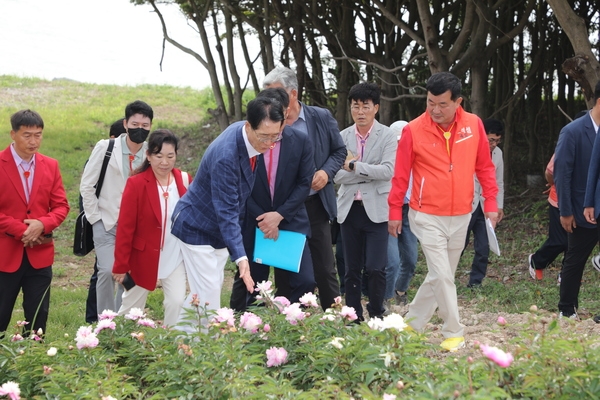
(268, 139)
(494, 141)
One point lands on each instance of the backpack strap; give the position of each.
(107, 155)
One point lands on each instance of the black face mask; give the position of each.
(137, 135)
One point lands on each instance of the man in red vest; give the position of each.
(443, 147)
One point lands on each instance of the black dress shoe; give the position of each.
(597, 319)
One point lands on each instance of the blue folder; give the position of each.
(284, 253)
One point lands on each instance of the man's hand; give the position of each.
(244, 268)
(320, 179)
(395, 227)
(33, 233)
(118, 277)
(568, 223)
(269, 224)
(588, 213)
(500, 214)
(493, 216)
(346, 165)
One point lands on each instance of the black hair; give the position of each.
(262, 108)
(597, 92)
(117, 128)
(277, 93)
(26, 118)
(440, 82)
(138, 107)
(493, 126)
(156, 140)
(365, 92)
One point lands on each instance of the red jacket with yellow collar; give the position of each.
(442, 182)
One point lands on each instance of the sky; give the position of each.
(96, 41)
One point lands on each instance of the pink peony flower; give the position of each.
(225, 314)
(349, 313)
(281, 302)
(309, 300)
(389, 396)
(105, 324)
(22, 323)
(496, 355)
(16, 338)
(107, 314)
(250, 322)
(276, 356)
(501, 321)
(86, 338)
(266, 328)
(293, 313)
(11, 389)
(135, 314)
(146, 322)
(264, 287)
(338, 300)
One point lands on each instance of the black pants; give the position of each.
(365, 244)
(481, 246)
(91, 311)
(555, 244)
(36, 295)
(581, 243)
(321, 251)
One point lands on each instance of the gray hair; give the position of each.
(284, 76)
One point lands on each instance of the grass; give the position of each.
(77, 115)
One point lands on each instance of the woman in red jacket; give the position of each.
(145, 248)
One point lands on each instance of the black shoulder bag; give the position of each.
(83, 242)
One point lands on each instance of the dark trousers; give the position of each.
(555, 244)
(480, 245)
(321, 251)
(36, 295)
(581, 243)
(290, 285)
(339, 259)
(91, 311)
(364, 240)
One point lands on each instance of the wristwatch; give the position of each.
(351, 165)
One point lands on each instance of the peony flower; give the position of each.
(146, 322)
(496, 355)
(501, 321)
(16, 338)
(337, 342)
(22, 323)
(250, 322)
(266, 328)
(376, 324)
(135, 314)
(138, 335)
(195, 302)
(281, 302)
(11, 389)
(86, 338)
(389, 396)
(276, 356)
(107, 314)
(264, 287)
(52, 351)
(394, 321)
(348, 313)
(47, 370)
(224, 314)
(108, 398)
(35, 337)
(387, 358)
(105, 324)
(329, 315)
(293, 313)
(309, 300)
(338, 300)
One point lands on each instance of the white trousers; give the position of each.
(442, 241)
(174, 287)
(205, 267)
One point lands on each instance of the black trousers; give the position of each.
(581, 243)
(364, 240)
(481, 246)
(322, 252)
(555, 244)
(91, 310)
(36, 295)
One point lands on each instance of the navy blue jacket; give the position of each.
(592, 191)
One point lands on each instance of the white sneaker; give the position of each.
(596, 262)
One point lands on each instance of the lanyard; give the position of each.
(26, 174)
(165, 194)
(447, 135)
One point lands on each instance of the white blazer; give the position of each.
(105, 208)
(372, 176)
